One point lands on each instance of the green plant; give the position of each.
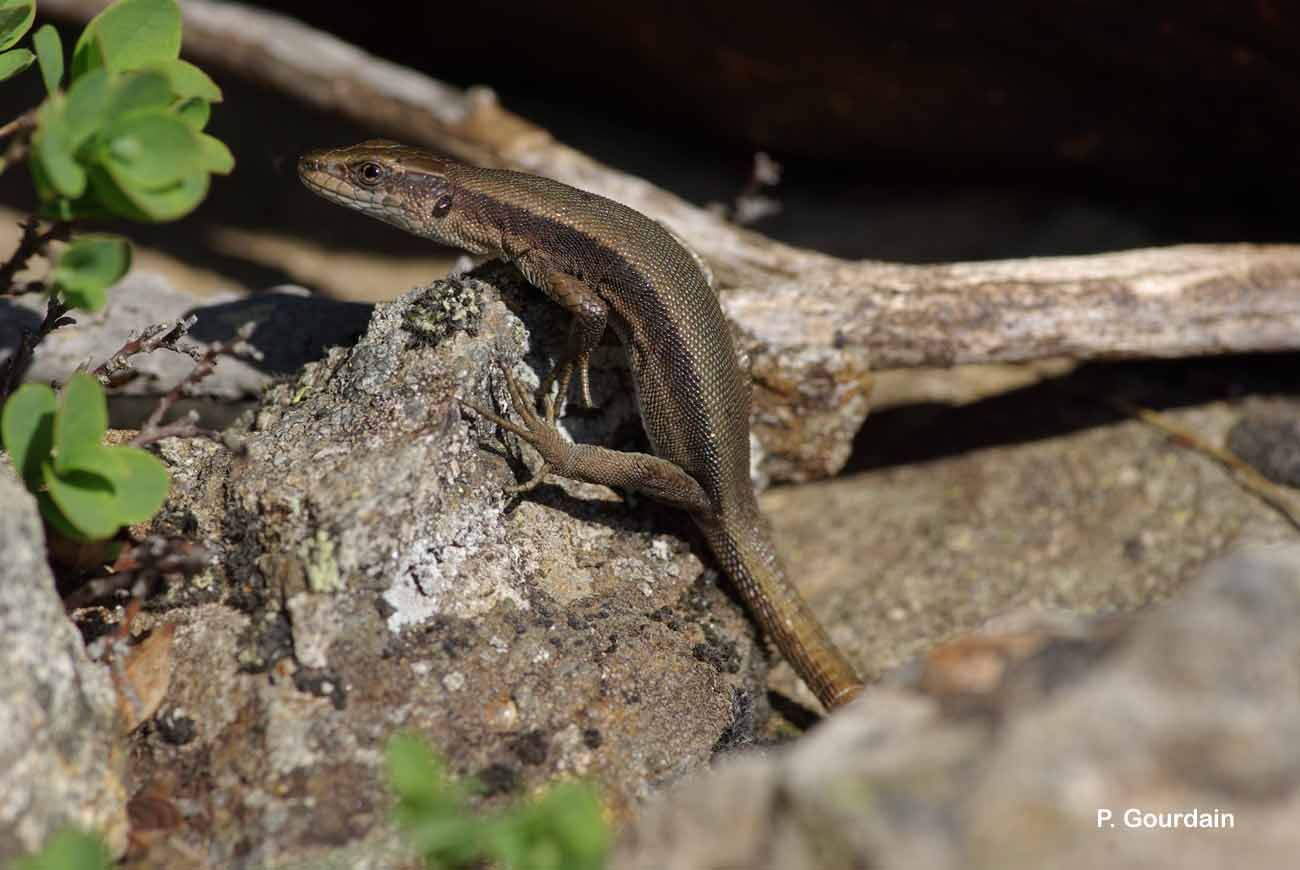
(86, 490)
(561, 829)
(15, 18)
(67, 849)
(124, 137)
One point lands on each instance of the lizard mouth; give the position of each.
(325, 177)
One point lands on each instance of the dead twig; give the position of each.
(187, 426)
(117, 368)
(140, 567)
(12, 371)
(16, 151)
(1276, 497)
(24, 123)
(32, 243)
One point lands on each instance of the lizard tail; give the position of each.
(751, 561)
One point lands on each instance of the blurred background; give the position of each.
(919, 132)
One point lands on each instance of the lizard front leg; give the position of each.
(589, 317)
(649, 475)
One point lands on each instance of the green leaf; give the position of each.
(55, 519)
(150, 151)
(68, 849)
(134, 92)
(14, 62)
(52, 146)
(142, 486)
(195, 113)
(142, 205)
(187, 81)
(85, 499)
(413, 770)
(15, 18)
(560, 830)
(27, 429)
(88, 267)
(129, 34)
(80, 425)
(49, 51)
(215, 155)
(84, 107)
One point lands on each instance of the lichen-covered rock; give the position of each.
(60, 760)
(1168, 742)
(372, 576)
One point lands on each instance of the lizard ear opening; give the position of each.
(442, 206)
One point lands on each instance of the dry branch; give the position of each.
(1178, 301)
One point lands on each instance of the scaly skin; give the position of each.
(611, 266)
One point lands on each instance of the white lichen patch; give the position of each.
(462, 568)
(316, 623)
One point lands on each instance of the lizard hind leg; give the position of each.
(640, 472)
(531, 432)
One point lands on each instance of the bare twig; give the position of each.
(16, 150)
(24, 123)
(139, 567)
(753, 204)
(1276, 497)
(117, 368)
(12, 371)
(32, 243)
(205, 362)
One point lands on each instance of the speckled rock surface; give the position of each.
(371, 576)
(1104, 519)
(60, 761)
(1090, 752)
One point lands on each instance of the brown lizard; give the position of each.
(611, 266)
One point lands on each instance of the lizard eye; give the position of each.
(442, 206)
(369, 173)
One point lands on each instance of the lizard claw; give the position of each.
(539, 433)
(562, 377)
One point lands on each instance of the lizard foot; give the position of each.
(562, 375)
(540, 433)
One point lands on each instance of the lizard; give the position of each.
(611, 267)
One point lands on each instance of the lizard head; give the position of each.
(403, 186)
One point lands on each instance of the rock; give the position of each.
(370, 576)
(1102, 749)
(1268, 438)
(60, 759)
(1079, 514)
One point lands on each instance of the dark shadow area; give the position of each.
(14, 321)
(793, 712)
(292, 330)
(923, 432)
(905, 204)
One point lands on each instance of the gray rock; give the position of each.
(371, 576)
(1193, 708)
(1268, 438)
(60, 759)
